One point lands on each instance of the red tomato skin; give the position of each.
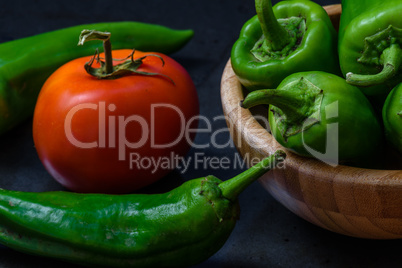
(75, 109)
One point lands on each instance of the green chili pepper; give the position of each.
(392, 118)
(370, 40)
(293, 36)
(26, 63)
(317, 114)
(179, 228)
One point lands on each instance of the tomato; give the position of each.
(115, 135)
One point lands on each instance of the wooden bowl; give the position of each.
(352, 201)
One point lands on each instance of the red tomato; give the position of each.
(115, 135)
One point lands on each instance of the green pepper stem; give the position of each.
(276, 37)
(233, 187)
(392, 58)
(290, 103)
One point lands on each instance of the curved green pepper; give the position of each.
(317, 114)
(26, 63)
(392, 118)
(370, 40)
(179, 228)
(302, 39)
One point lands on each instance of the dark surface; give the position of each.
(267, 234)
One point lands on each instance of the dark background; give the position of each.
(267, 234)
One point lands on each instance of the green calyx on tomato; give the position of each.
(107, 70)
(115, 135)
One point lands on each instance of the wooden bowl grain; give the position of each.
(351, 201)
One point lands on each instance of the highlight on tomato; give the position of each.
(114, 126)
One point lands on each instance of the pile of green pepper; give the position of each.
(315, 110)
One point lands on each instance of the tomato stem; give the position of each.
(89, 35)
(107, 69)
(107, 48)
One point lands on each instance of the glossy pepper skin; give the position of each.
(317, 114)
(179, 228)
(370, 39)
(392, 118)
(26, 63)
(312, 44)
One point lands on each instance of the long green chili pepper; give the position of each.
(26, 63)
(179, 228)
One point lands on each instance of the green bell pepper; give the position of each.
(292, 36)
(392, 118)
(317, 114)
(370, 40)
(26, 63)
(175, 229)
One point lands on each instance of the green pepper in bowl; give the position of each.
(392, 118)
(370, 40)
(317, 114)
(293, 36)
